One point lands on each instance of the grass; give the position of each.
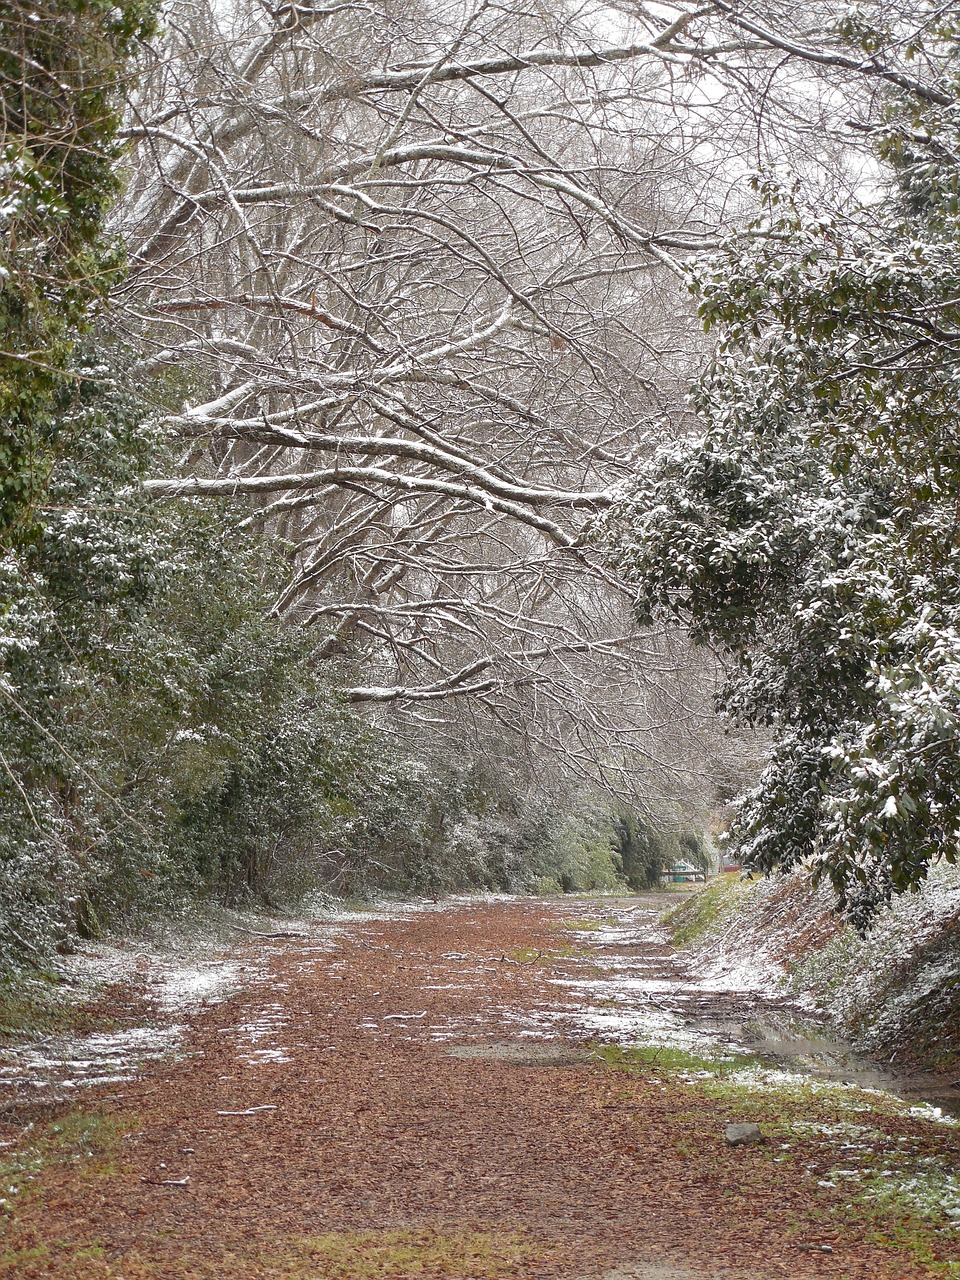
(695, 917)
(588, 926)
(896, 1173)
(756, 1093)
(418, 1254)
(896, 1220)
(667, 1060)
(89, 1138)
(396, 1255)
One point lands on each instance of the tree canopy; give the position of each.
(313, 397)
(810, 532)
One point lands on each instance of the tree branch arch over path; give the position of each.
(418, 269)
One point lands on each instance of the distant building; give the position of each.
(680, 872)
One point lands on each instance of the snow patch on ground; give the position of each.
(72, 1062)
(180, 987)
(630, 988)
(325, 909)
(177, 972)
(887, 975)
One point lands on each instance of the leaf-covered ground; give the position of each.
(376, 1112)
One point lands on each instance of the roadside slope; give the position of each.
(894, 994)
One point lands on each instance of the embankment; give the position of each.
(894, 994)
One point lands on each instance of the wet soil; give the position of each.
(430, 1079)
(743, 1011)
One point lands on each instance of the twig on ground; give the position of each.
(255, 933)
(250, 1111)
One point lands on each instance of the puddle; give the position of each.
(791, 1042)
(641, 992)
(632, 988)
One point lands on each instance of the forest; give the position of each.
(453, 445)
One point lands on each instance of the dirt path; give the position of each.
(380, 1111)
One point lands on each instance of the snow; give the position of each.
(718, 1004)
(869, 987)
(73, 1062)
(177, 974)
(186, 987)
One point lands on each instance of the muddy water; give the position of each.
(637, 988)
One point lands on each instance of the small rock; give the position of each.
(741, 1135)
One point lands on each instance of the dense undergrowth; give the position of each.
(165, 737)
